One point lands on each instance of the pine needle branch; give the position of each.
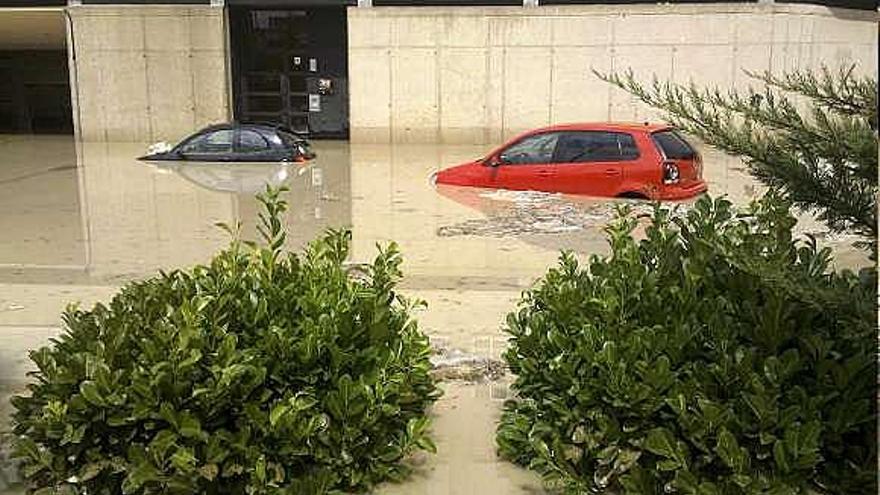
(823, 159)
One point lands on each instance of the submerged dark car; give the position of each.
(236, 142)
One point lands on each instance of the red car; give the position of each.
(614, 160)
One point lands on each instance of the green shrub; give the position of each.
(715, 356)
(262, 372)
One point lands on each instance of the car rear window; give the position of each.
(297, 143)
(304, 147)
(289, 138)
(673, 146)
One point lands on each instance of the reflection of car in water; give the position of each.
(244, 178)
(495, 202)
(612, 160)
(236, 142)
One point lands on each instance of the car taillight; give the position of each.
(671, 173)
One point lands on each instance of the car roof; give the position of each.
(605, 126)
(261, 126)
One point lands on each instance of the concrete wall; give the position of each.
(147, 73)
(482, 74)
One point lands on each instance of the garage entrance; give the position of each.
(34, 83)
(290, 66)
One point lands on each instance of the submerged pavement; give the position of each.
(78, 221)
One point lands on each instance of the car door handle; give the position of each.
(612, 171)
(545, 173)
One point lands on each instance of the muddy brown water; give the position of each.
(78, 221)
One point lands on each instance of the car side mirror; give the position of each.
(497, 160)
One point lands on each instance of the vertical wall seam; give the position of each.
(733, 45)
(772, 40)
(192, 71)
(438, 91)
(391, 59)
(82, 191)
(149, 98)
(228, 82)
(550, 92)
(102, 77)
(550, 105)
(73, 77)
(503, 90)
(613, 49)
(487, 97)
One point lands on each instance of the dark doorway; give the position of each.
(35, 92)
(291, 66)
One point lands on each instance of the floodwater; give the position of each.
(78, 221)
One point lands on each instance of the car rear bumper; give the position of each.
(682, 191)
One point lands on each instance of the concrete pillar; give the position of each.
(148, 73)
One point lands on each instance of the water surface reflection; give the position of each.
(99, 216)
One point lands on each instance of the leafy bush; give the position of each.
(262, 372)
(715, 356)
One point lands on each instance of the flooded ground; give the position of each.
(77, 222)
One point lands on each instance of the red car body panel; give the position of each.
(641, 175)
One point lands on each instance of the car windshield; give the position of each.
(537, 148)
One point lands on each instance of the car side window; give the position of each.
(596, 146)
(629, 150)
(211, 142)
(532, 149)
(275, 139)
(251, 142)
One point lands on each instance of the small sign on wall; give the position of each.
(325, 86)
(314, 103)
(313, 64)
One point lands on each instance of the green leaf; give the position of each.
(184, 460)
(260, 471)
(278, 412)
(686, 482)
(92, 470)
(780, 457)
(143, 473)
(89, 390)
(425, 443)
(191, 427)
(161, 445)
(731, 453)
(73, 435)
(194, 356)
(660, 441)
